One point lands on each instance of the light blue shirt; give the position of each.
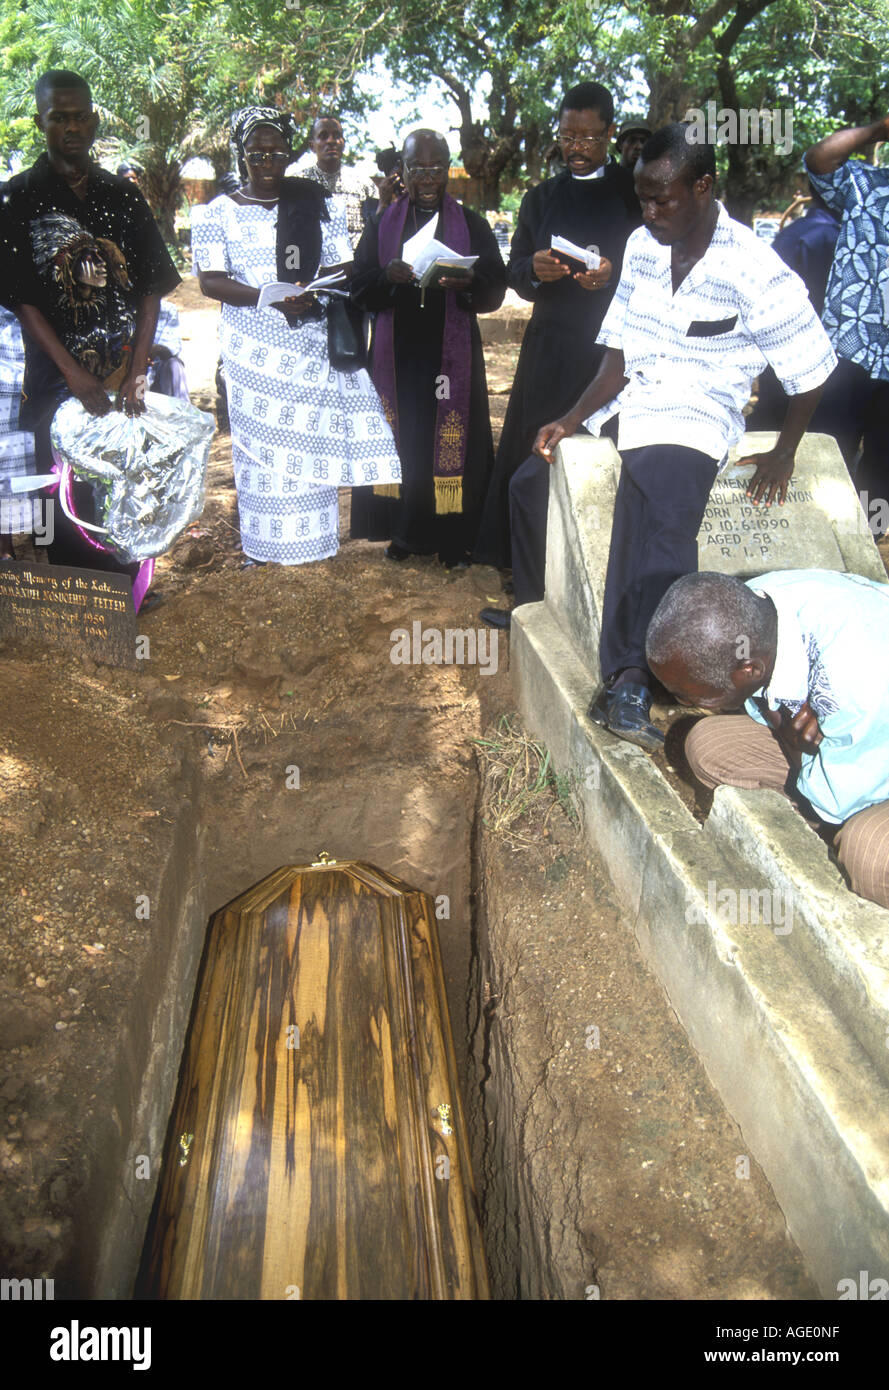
(833, 652)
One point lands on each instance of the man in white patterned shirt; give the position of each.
(702, 307)
(328, 145)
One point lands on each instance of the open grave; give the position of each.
(269, 722)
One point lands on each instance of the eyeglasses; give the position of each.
(267, 157)
(590, 142)
(434, 171)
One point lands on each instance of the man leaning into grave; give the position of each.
(790, 646)
(84, 270)
(702, 306)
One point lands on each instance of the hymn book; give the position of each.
(569, 254)
(275, 293)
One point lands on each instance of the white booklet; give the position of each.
(415, 244)
(273, 294)
(423, 250)
(568, 251)
(435, 253)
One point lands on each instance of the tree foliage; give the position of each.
(166, 77)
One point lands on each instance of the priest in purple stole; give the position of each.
(427, 364)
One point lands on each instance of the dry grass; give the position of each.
(522, 791)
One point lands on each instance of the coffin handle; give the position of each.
(443, 1112)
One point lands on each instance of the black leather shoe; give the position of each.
(599, 707)
(629, 706)
(396, 552)
(496, 617)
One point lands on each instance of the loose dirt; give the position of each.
(269, 702)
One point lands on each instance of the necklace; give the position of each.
(257, 200)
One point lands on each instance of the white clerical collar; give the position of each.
(596, 174)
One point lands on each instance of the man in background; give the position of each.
(328, 145)
(129, 172)
(856, 308)
(630, 139)
(807, 246)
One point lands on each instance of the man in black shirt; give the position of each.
(85, 269)
(591, 203)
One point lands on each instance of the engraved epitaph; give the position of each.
(85, 612)
(738, 538)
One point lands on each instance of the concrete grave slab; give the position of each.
(786, 997)
(820, 526)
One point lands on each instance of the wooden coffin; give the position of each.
(317, 1147)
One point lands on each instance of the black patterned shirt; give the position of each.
(355, 190)
(86, 264)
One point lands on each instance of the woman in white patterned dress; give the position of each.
(299, 428)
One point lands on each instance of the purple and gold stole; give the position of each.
(452, 414)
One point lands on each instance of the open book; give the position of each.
(273, 294)
(436, 259)
(428, 257)
(570, 254)
(448, 265)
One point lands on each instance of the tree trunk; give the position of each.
(669, 99)
(485, 159)
(485, 156)
(163, 189)
(532, 153)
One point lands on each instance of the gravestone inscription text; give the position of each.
(738, 538)
(82, 611)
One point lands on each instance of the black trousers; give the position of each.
(660, 503)
(856, 412)
(528, 507)
(854, 408)
(528, 504)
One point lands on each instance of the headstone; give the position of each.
(86, 612)
(820, 526)
(784, 1003)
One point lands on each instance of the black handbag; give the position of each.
(346, 345)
